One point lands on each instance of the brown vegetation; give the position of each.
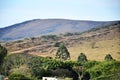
(95, 44)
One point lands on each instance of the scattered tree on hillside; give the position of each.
(108, 57)
(82, 58)
(62, 53)
(53, 37)
(3, 53)
(57, 44)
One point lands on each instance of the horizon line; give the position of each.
(57, 19)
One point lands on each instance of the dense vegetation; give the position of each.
(36, 67)
(27, 67)
(3, 53)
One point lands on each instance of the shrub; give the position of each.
(14, 61)
(23, 69)
(108, 57)
(17, 76)
(105, 69)
(53, 37)
(90, 64)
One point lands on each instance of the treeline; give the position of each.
(35, 67)
(27, 67)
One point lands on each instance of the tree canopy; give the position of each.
(82, 58)
(108, 57)
(62, 53)
(3, 53)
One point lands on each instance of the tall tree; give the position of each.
(3, 53)
(82, 58)
(62, 53)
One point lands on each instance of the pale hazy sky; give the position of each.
(15, 11)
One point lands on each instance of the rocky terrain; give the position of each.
(95, 43)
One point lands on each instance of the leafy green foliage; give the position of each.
(35, 67)
(82, 58)
(105, 70)
(17, 76)
(108, 57)
(90, 64)
(62, 53)
(23, 69)
(61, 72)
(14, 61)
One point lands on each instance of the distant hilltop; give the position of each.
(38, 27)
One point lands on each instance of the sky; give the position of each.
(16, 11)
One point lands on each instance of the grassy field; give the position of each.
(101, 48)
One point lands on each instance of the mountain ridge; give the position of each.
(38, 27)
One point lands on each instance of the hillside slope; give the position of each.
(40, 27)
(95, 43)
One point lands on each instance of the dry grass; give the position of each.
(102, 48)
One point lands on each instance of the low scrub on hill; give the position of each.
(105, 70)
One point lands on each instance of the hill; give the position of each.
(38, 27)
(95, 43)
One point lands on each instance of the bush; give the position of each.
(17, 76)
(53, 37)
(61, 72)
(108, 57)
(23, 69)
(105, 69)
(90, 64)
(14, 61)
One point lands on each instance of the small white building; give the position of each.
(49, 78)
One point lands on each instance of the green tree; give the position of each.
(108, 57)
(3, 53)
(13, 61)
(79, 71)
(82, 58)
(62, 53)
